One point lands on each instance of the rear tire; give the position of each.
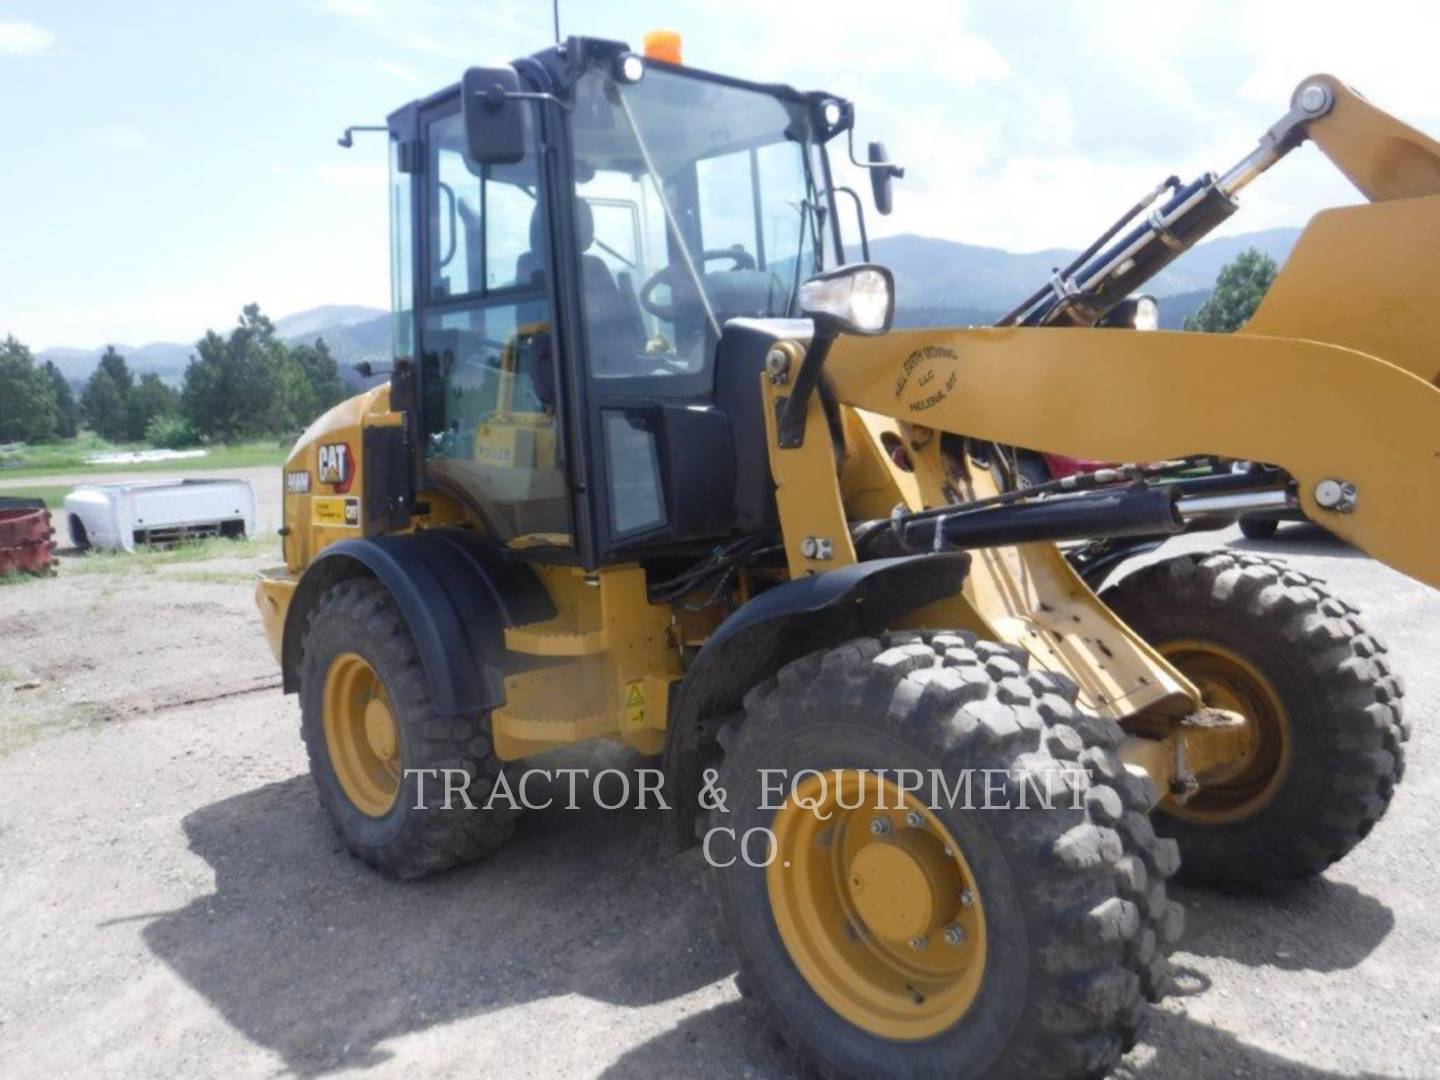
(357, 648)
(1255, 528)
(1265, 634)
(1076, 917)
(1031, 470)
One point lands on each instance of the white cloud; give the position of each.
(1023, 125)
(354, 9)
(123, 138)
(476, 33)
(24, 38)
(356, 172)
(1081, 116)
(402, 72)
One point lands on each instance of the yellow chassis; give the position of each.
(1334, 379)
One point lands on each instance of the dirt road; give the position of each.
(174, 903)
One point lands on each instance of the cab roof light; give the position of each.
(663, 45)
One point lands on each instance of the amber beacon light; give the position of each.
(663, 45)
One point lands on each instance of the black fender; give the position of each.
(778, 626)
(1093, 562)
(457, 593)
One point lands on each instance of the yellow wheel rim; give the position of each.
(360, 734)
(1227, 680)
(876, 905)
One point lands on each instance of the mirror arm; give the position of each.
(790, 424)
(497, 94)
(347, 138)
(859, 217)
(897, 171)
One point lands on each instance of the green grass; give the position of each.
(65, 452)
(147, 560)
(52, 494)
(49, 459)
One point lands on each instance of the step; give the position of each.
(549, 639)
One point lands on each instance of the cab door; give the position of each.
(491, 396)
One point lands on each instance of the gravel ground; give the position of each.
(175, 904)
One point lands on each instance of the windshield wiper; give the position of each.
(805, 211)
(669, 214)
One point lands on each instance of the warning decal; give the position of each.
(635, 703)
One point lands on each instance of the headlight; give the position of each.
(855, 299)
(629, 67)
(1136, 313)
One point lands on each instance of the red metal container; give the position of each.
(25, 539)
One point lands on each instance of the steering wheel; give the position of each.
(675, 276)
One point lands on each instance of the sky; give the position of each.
(164, 163)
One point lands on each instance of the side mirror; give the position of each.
(494, 123)
(881, 173)
(855, 299)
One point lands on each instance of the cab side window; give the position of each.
(487, 352)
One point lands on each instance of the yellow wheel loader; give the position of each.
(652, 467)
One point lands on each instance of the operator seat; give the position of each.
(612, 314)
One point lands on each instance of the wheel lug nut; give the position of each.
(915, 820)
(918, 943)
(880, 826)
(954, 935)
(967, 898)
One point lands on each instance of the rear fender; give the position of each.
(457, 595)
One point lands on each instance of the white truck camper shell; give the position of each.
(120, 517)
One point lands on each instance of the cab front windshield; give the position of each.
(696, 203)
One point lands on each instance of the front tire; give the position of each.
(377, 749)
(1041, 972)
(79, 538)
(1261, 638)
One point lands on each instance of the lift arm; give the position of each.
(1322, 412)
(1382, 156)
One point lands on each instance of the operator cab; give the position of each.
(570, 236)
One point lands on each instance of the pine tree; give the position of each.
(67, 409)
(1241, 286)
(27, 399)
(103, 406)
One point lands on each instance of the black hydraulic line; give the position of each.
(1138, 510)
(1066, 485)
(1190, 214)
(723, 559)
(1170, 184)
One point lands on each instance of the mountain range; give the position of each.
(937, 283)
